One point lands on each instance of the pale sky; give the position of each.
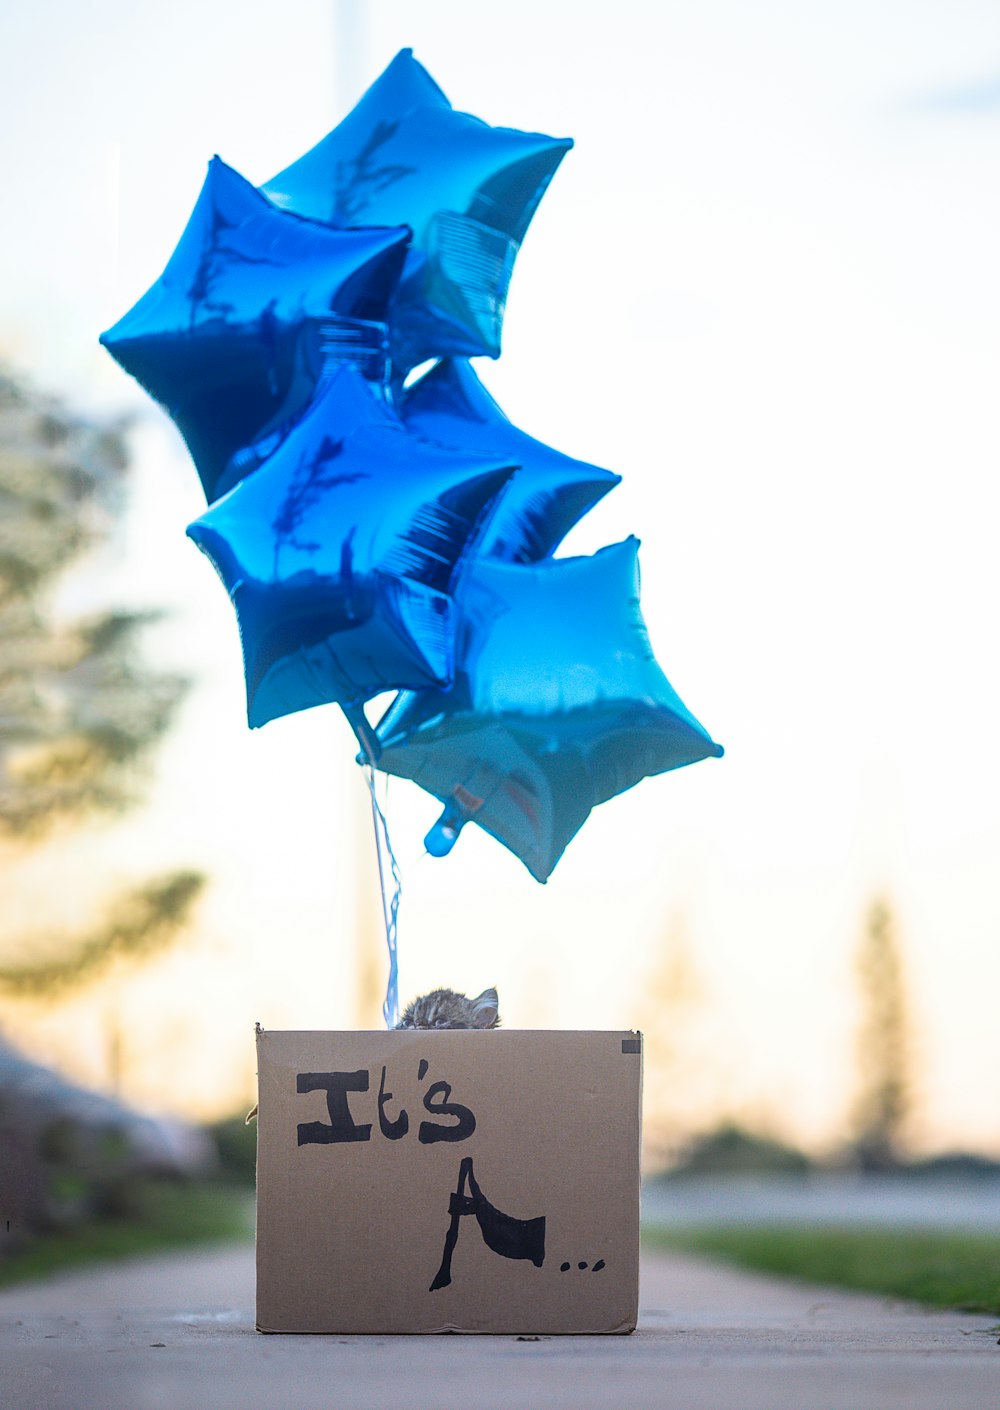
(763, 289)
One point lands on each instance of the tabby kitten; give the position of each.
(443, 1008)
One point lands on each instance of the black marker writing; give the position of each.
(510, 1237)
(454, 1121)
(393, 1129)
(342, 1125)
(465, 1121)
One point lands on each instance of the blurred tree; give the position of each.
(731, 1149)
(79, 711)
(138, 924)
(883, 1100)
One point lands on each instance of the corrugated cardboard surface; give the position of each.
(357, 1207)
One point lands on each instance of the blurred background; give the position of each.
(763, 289)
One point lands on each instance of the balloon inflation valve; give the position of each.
(441, 838)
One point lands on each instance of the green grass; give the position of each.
(161, 1215)
(934, 1266)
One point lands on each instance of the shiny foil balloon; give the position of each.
(404, 156)
(547, 496)
(557, 705)
(339, 555)
(232, 337)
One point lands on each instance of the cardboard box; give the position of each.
(447, 1181)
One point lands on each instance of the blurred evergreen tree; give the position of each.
(678, 1070)
(79, 710)
(883, 1101)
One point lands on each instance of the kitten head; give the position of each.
(443, 1008)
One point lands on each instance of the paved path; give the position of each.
(826, 1197)
(176, 1333)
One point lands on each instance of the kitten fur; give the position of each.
(443, 1008)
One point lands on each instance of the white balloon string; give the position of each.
(390, 905)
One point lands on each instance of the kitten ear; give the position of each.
(485, 1009)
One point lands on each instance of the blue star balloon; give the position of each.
(547, 496)
(232, 337)
(404, 156)
(339, 554)
(557, 705)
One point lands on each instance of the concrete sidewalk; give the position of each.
(176, 1333)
